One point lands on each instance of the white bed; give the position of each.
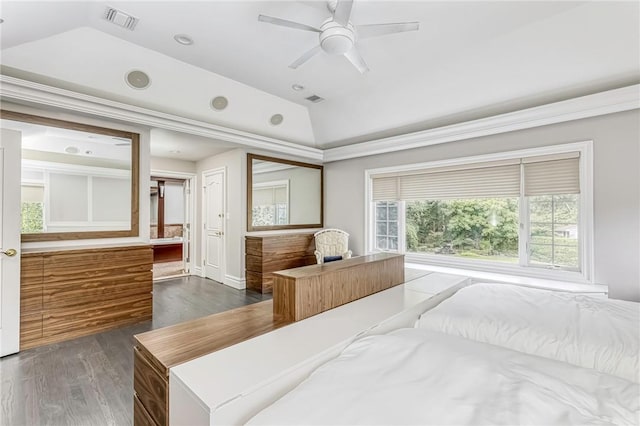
(490, 354)
(417, 376)
(591, 332)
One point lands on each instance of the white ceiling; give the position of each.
(468, 60)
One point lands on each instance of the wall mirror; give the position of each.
(78, 181)
(283, 194)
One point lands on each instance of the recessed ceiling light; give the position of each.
(71, 150)
(183, 39)
(174, 151)
(297, 87)
(276, 119)
(219, 103)
(137, 79)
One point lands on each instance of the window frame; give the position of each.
(585, 219)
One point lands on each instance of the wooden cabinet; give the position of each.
(158, 350)
(71, 293)
(269, 253)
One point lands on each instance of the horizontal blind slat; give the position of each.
(385, 188)
(488, 182)
(552, 177)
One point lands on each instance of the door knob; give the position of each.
(10, 252)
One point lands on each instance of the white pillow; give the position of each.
(587, 331)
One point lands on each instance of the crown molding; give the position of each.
(15, 89)
(617, 100)
(611, 101)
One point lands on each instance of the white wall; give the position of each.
(144, 173)
(235, 216)
(616, 187)
(172, 165)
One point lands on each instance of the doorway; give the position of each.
(171, 217)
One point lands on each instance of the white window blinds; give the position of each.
(552, 174)
(269, 195)
(480, 180)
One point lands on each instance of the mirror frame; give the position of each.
(135, 178)
(250, 227)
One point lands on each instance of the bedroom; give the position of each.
(506, 78)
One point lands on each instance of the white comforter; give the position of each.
(414, 376)
(587, 331)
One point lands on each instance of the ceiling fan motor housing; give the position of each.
(336, 39)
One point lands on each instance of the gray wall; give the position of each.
(616, 140)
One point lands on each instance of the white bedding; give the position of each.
(414, 376)
(591, 332)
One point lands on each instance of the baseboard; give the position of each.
(197, 271)
(235, 282)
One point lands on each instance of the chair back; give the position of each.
(331, 242)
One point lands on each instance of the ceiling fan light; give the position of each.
(336, 39)
(336, 44)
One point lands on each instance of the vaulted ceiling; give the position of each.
(467, 60)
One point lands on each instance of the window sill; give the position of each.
(553, 283)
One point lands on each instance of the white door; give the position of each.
(10, 142)
(214, 209)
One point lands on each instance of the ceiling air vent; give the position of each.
(120, 18)
(315, 99)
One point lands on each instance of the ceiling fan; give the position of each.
(338, 34)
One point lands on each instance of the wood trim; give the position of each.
(135, 177)
(141, 416)
(250, 227)
(150, 388)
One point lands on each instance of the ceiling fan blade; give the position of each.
(354, 57)
(377, 30)
(343, 12)
(304, 58)
(285, 23)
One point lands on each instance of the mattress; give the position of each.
(586, 331)
(418, 376)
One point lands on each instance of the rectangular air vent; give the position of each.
(120, 18)
(315, 99)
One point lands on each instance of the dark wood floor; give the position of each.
(89, 381)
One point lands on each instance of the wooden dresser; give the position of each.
(66, 294)
(269, 253)
(156, 351)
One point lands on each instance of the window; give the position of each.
(553, 231)
(32, 207)
(468, 228)
(387, 226)
(271, 203)
(524, 212)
